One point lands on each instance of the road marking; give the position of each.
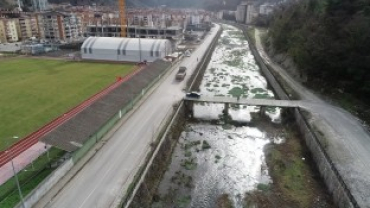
(93, 190)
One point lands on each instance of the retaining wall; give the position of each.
(276, 87)
(46, 184)
(334, 182)
(196, 78)
(341, 195)
(149, 177)
(143, 187)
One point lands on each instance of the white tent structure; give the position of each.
(125, 49)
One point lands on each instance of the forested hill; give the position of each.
(329, 40)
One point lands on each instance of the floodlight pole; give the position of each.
(18, 185)
(139, 47)
(16, 179)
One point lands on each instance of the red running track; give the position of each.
(31, 139)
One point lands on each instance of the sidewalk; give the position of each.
(21, 161)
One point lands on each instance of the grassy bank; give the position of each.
(34, 91)
(251, 31)
(29, 178)
(296, 182)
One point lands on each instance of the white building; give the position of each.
(39, 5)
(240, 13)
(195, 20)
(246, 12)
(266, 9)
(125, 49)
(251, 14)
(220, 14)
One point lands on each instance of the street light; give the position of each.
(47, 152)
(16, 176)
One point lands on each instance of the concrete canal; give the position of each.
(246, 159)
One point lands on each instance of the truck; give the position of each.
(181, 73)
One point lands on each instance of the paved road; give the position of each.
(101, 183)
(348, 140)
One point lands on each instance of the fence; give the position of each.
(28, 177)
(77, 155)
(45, 186)
(34, 137)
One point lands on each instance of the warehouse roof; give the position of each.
(128, 44)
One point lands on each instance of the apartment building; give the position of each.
(266, 9)
(168, 18)
(58, 26)
(11, 29)
(134, 31)
(3, 38)
(246, 12)
(28, 27)
(72, 27)
(39, 5)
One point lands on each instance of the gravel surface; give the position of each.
(348, 142)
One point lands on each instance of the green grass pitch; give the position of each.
(35, 91)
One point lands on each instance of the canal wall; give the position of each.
(141, 191)
(196, 78)
(334, 182)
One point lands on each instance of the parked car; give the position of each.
(193, 95)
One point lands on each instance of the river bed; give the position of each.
(212, 160)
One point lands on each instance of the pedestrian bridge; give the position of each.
(243, 101)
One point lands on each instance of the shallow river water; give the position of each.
(211, 160)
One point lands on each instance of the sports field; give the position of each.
(35, 91)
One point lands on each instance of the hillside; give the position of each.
(329, 40)
(7, 3)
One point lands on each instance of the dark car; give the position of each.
(193, 95)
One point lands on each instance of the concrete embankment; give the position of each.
(333, 180)
(142, 190)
